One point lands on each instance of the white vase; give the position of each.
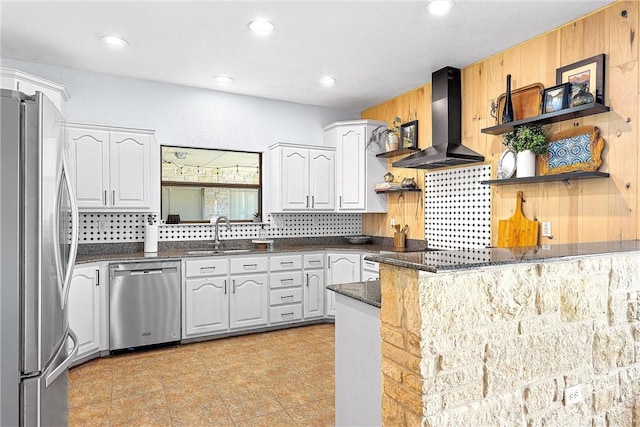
(392, 142)
(525, 164)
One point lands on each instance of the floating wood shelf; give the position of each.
(398, 190)
(398, 152)
(543, 178)
(545, 119)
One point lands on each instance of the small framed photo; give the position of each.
(588, 72)
(556, 98)
(409, 134)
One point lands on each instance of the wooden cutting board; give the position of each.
(517, 230)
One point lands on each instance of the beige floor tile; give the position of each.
(199, 411)
(87, 393)
(319, 413)
(90, 415)
(274, 419)
(132, 385)
(241, 381)
(148, 408)
(257, 405)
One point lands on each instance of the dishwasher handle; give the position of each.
(146, 271)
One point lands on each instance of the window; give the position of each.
(199, 184)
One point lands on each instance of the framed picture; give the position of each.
(556, 98)
(589, 72)
(409, 134)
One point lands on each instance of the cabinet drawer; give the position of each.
(287, 262)
(248, 265)
(288, 313)
(285, 296)
(207, 267)
(285, 279)
(314, 261)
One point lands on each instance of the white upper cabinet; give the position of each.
(302, 178)
(357, 168)
(322, 164)
(29, 84)
(111, 167)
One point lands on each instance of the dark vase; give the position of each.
(582, 97)
(507, 111)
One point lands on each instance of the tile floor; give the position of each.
(280, 378)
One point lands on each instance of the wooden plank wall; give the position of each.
(580, 211)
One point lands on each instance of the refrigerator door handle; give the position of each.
(74, 232)
(49, 379)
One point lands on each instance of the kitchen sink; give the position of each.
(202, 252)
(235, 251)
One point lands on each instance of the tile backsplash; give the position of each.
(129, 227)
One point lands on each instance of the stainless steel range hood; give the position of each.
(446, 121)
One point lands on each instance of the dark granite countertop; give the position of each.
(170, 252)
(453, 260)
(367, 292)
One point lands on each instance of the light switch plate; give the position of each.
(546, 229)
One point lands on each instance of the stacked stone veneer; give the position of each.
(400, 328)
(499, 345)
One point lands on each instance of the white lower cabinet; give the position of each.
(341, 268)
(285, 295)
(206, 305)
(87, 308)
(249, 300)
(205, 298)
(314, 286)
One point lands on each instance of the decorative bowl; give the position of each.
(357, 240)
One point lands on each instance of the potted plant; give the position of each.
(527, 142)
(256, 217)
(389, 133)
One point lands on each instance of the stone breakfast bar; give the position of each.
(522, 336)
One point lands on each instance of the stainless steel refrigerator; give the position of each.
(39, 235)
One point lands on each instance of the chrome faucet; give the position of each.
(216, 240)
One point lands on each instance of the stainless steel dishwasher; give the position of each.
(144, 304)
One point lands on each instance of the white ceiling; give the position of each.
(375, 50)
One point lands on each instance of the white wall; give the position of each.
(186, 116)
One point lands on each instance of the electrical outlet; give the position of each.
(573, 395)
(102, 225)
(392, 222)
(546, 229)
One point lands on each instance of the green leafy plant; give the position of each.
(379, 133)
(527, 138)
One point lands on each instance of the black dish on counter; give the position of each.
(357, 240)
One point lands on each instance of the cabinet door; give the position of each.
(129, 170)
(90, 166)
(350, 168)
(206, 305)
(322, 179)
(295, 179)
(249, 301)
(341, 268)
(314, 294)
(84, 309)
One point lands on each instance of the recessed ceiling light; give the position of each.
(439, 7)
(327, 81)
(114, 41)
(261, 27)
(223, 79)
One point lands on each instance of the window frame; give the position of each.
(215, 184)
